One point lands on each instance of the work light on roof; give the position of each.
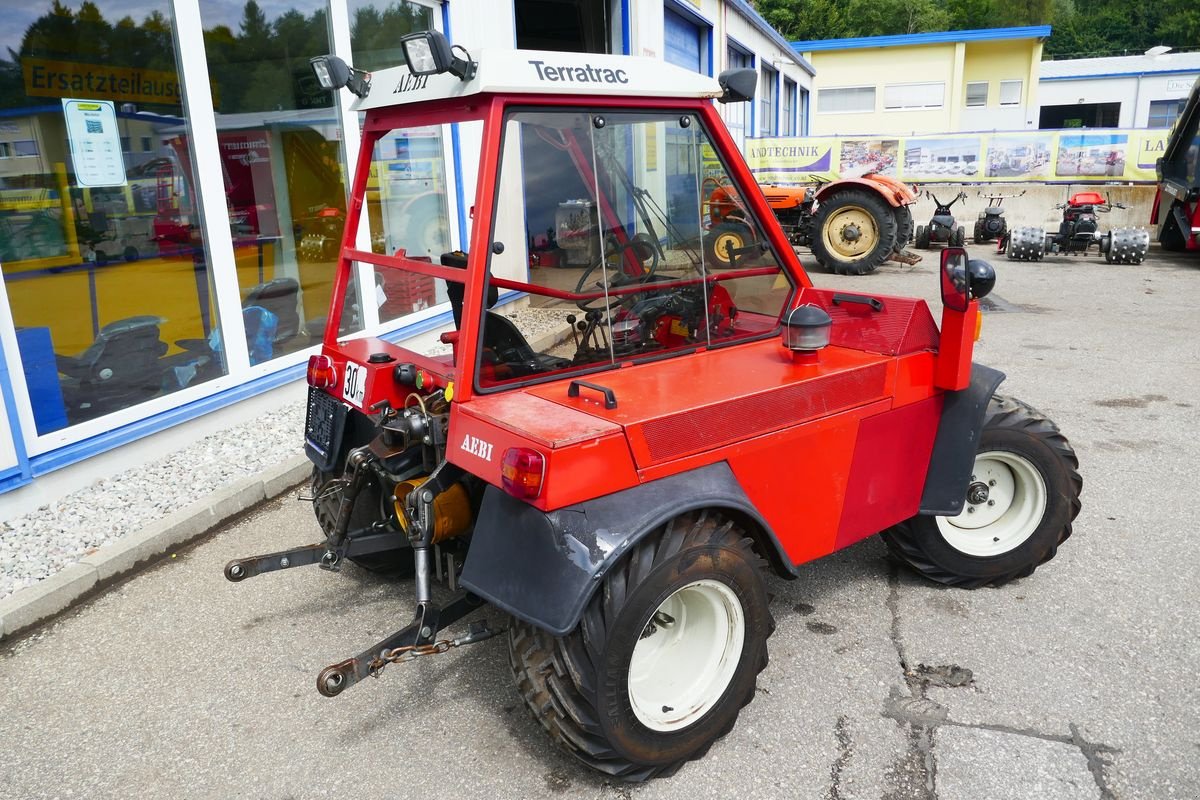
(430, 53)
(333, 73)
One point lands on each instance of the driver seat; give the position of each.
(507, 345)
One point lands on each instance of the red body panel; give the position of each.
(903, 325)
(798, 478)
(888, 470)
(585, 456)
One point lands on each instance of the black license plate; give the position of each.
(323, 428)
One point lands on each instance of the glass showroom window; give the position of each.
(407, 206)
(102, 249)
(279, 137)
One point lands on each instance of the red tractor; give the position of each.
(852, 225)
(613, 455)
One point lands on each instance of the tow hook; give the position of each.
(411, 642)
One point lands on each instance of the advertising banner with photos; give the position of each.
(1060, 156)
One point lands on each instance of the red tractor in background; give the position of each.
(612, 455)
(852, 225)
(1176, 209)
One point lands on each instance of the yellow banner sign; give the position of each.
(1068, 156)
(44, 78)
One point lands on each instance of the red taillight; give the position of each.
(522, 472)
(320, 372)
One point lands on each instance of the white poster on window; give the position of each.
(95, 142)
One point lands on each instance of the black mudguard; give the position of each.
(957, 442)
(544, 567)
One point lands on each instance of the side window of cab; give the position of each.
(628, 241)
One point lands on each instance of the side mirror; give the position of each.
(737, 85)
(964, 279)
(956, 279)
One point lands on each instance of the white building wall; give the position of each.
(1005, 118)
(766, 51)
(1133, 92)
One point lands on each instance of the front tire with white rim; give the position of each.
(1021, 500)
(665, 657)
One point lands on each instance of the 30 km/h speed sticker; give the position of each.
(354, 386)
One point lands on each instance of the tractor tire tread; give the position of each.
(1011, 414)
(557, 676)
(885, 221)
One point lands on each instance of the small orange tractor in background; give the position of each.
(852, 225)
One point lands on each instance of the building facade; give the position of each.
(1146, 91)
(173, 187)
(944, 82)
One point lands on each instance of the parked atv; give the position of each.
(612, 469)
(852, 225)
(942, 228)
(991, 224)
(1078, 232)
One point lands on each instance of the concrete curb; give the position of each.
(30, 605)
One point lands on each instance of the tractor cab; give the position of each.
(586, 243)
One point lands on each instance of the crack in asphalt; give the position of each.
(1094, 752)
(916, 770)
(841, 732)
(924, 716)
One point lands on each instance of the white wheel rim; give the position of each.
(686, 656)
(1005, 503)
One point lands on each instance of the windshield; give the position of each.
(628, 240)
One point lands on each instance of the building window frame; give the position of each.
(1168, 111)
(828, 93)
(747, 60)
(704, 29)
(915, 96)
(769, 102)
(980, 99)
(1006, 87)
(790, 95)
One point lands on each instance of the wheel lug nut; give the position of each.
(992, 482)
(991, 502)
(970, 509)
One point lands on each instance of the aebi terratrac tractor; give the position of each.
(1078, 232)
(613, 456)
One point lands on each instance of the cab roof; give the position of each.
(541, 72)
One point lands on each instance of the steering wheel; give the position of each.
(643, 249)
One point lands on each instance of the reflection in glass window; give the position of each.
(407, 207)
(281, 159)
(406, 210)
(376, 27)
(647, 247)
(103, 254)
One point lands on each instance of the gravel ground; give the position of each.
(39, 544)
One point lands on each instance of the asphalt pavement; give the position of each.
(1078, 682)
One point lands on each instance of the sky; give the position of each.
(19, 15)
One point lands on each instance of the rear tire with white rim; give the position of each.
(1021, 500)
(665, 657)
